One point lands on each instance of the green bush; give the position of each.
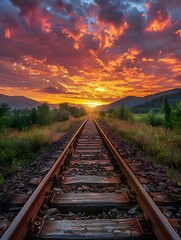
(38, 142)
(154, 119)
(8, 153)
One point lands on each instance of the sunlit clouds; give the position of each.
(157, 16)
(7, 33)
(89, 52)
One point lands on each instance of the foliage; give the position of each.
(147, 131)
(4, 110)
(120, 113)
(33, 116)
(18, 148)
(20, 119)
(154, 119)
(167, 111)
(169, 118)
(25, 133)
(74, 111)
(177, 116)
(43, 114)
(102, 114)
(156, 103)
(153, 141)
(60, 115)
(4, 116)
(23, 119)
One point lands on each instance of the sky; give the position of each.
(89, 51)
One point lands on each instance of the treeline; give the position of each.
(155, 104)
(22, 119)
(168, 116)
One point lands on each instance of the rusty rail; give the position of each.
(161, 227)
(19, 227)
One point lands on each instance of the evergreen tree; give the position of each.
(4, 115)
(33, 116)
(167, 110)
(177, 116)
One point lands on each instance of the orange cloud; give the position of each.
(57, 70)
(159, 23)
(112, 33)
(7, 33)
(31, 60)
(179, 33)
(168, 60)
(108, 33)
(148, 59)
(79, 29)
(98, 53)
(76, 45)
(45, 25)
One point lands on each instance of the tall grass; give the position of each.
(18, 148)
(152, 140)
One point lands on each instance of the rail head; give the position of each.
(161, 227)
(19, 227)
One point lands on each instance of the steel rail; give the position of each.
(19, 227)
(161, 227)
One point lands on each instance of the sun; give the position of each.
(93, 104)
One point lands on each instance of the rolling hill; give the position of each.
(173, 95)
(18, 102)
(155, 104)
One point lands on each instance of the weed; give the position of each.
(18, 148)
(152, 140)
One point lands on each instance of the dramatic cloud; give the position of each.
(54, 90)
(158, 17)
(89, 51)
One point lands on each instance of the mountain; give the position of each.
(132, 101)
(129, 102)
(155, 104)
(18, 102)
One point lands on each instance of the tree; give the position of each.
(20, 119)
(177, 115)
(33, 116)
(64, 106)
(4, 110)
(167, 111)
(4, 115)
(82, 111)
(122, 111)
(60, 115)
(43, 112)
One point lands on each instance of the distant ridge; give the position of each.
(18, 102)
(133, 101)
(156, 103)
(137, 104)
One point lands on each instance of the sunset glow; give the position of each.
(89, 52)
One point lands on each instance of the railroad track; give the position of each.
(91, 193)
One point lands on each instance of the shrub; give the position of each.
(153, 141)
(154, 119)
(7, 153)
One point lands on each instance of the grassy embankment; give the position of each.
(163, 149)
(18, 148)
